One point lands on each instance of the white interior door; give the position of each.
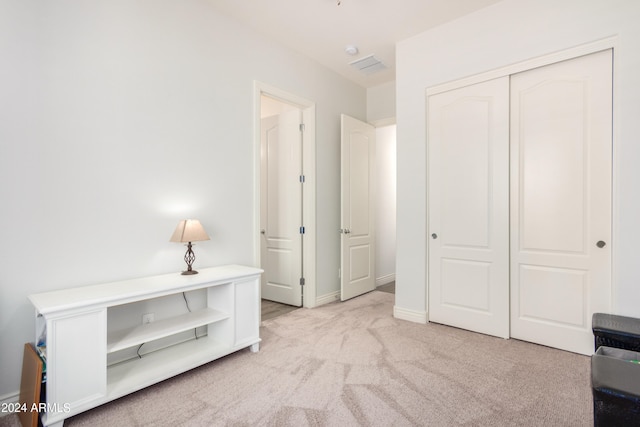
(561, 152)
(357, 261)
(281, 208)
(468, 170)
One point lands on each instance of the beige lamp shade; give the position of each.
(189, 230)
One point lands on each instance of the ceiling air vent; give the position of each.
(368, 65)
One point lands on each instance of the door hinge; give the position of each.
(301, 127)
(302, 179)
(301, 230)
(302, 281)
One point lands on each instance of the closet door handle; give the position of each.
(434, 236)
(601, 244)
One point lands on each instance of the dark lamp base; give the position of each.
(185, 273)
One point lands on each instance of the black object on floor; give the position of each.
(615, 384)
(616, 331)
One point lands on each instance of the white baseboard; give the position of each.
(410, 315)
(383, 280)
(335, 296)
(9, 398)
(326, 299)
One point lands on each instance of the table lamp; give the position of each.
(187, 231)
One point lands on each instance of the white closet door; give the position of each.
(468, 169)
(561, 201)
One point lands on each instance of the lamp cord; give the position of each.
(195, 331)
(186, 302)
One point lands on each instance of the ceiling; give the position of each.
(321, 29)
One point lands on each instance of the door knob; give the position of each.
(263, 231)
(434, 236)
(601, 244)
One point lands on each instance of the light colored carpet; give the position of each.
(352, 363)
(389, 287)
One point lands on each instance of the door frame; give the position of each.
(570, 53)
(309, 194)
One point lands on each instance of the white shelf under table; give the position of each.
(119, 340)
(123, 378)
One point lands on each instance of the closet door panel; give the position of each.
(468, 207)
(561, 201)
(553, 170)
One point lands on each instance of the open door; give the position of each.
(357, 261)
(281, 207)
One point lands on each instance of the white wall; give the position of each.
(381, 112)
(385, 204)
(381, 103)
(117, 119)
(506, 33)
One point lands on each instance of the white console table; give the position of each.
(78, 339)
